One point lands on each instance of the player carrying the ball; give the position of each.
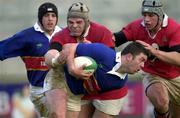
(109, 77)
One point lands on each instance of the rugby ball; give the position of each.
(90, 63)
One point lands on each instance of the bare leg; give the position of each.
(72, 114)
(56, 103)
(87, 111)
(99, 114)
(158, 95)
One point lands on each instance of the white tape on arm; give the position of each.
(54, 61)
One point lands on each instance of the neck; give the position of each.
(49, 32)
(122, 68)
(154, 31)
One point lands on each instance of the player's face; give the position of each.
(76, 26)
(136, 63)
(150, 20)
(49, 21)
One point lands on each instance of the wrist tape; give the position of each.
(54, 60)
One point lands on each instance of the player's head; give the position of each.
(134, 56)
(79, 11)
(135, 48)
(153, 6)
(46, 8)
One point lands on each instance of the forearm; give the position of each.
(169, 57)
(70, 57)
(72, 69)
(51, 58)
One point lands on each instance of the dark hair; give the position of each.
(135, 48)
(46, 7)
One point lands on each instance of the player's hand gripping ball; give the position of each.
(90, 63)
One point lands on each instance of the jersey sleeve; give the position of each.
(107, 37)
(55, 38)
(13, 46)
(128, 31)
(97, 51)
(174, 34)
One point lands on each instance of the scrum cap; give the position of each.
(45, 8)
(153, 6)
(78, 10)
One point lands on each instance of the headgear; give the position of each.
(46, 7)
(79, 10)
(153, 6)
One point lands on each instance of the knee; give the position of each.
(161, 104)
(158, 95)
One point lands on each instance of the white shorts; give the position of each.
(111, 107)
(38, 99)
(55, 80)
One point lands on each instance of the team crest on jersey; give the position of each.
(164, 39)
(39, 45)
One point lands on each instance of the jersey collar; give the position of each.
(38, 29)
(117, 66)
(86, 32)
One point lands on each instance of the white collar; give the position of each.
(117, 66)
(165, 21)
(86, 32)
(38, 29)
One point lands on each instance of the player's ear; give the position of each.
(129, 57)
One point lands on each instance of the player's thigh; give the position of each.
(55, 93)
(39, 103)
(110, 107)
(100, 114)
(156, 89)
(54, 80)
(56, 100)
(73, 105)
(158, 94)
(87, 109)
(73, 101)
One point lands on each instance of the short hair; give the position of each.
(135, 49)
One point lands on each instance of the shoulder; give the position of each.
(97, 26)
(172, 28)
(172, 23)
(61, 36)
(62, 32)
(99, 30)
(25, 32)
